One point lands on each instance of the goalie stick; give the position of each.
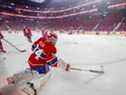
(20, 50)
(86, 70)
(68, 67)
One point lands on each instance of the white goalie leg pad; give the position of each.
(22, 76)
(41, 79)
(25, 88)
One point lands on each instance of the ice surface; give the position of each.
(85, 51)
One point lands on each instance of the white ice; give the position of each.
(85, 51)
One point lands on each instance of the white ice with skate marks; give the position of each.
(83, 51)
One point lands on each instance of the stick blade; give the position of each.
(98, 72)
(22, 50)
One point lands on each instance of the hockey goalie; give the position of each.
(41, 60)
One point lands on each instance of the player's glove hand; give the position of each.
(63, 65)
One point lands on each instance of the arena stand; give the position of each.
(85, 20)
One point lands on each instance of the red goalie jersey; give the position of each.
(43, 55)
